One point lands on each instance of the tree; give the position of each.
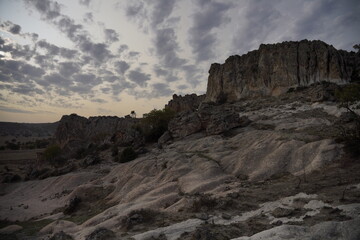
(357, 47)
(133, 114)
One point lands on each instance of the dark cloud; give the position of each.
(162, 10)
(167, 47)
(27, 89)
(88, 17)
(138, 77)
(121, 67)
(85, 2)
(86, 79)
(54, 50)
(10, 27)
(134, 54)
(98, 51)
(14, 110)
(211, 15)
(123, 48)
(160, 71)
(336, 22)
(15, 29)
(67, 69)
(19, 71)
(49, 9)
(111, 35)
(98, 100)
(256, 27)
(161, 90)
(55, 79)
(75, 32)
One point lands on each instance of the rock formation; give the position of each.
(274, 68)
(75, 131)
(189, 102)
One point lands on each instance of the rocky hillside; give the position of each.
(274, 68)
(271, 167)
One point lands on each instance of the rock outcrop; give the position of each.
(211, 119)
(274, 68)
(74, 131)
(189, 102)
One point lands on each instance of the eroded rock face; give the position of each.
(75, 131)
(274, 68)
(189, 102)
(213, 119)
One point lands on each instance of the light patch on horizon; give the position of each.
(94, 57)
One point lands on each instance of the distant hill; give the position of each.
(27, 129)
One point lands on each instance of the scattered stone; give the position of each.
(202, 216)
(61, 236)
(282, 212)
(226, 216)
(101, 234)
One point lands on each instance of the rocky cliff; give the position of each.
(189, 102)
(274, 68)
(74, 131)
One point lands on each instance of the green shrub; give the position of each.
(127, 155)
(351, 138)
(155, 123)
(52, 154)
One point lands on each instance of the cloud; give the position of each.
(255, 28)
(14, 110)
(167, 47)
(162, 9)
(111, 35)
(55, 79)
(138, 77)
(121, 67)
(88, 17)
(161, 90)
(210, 15)
(85, 2)
(98, 100)
(10, 27)
(67, 69)
(51, 12)
(53, 50)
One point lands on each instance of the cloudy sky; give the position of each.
(94, 57)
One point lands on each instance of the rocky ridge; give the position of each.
(74, 131)
(274, 68)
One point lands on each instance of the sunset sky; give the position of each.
(94, 57)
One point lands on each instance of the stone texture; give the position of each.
(212, 119)
(74, 131)
(274, 68)
(189, 102)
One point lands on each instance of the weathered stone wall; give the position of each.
(274, 68)
(74, 131)
(189, 102)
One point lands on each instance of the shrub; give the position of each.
(127, 155)
(52, 153)
(346, 96)
(155, 123)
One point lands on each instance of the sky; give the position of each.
(97, 57)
